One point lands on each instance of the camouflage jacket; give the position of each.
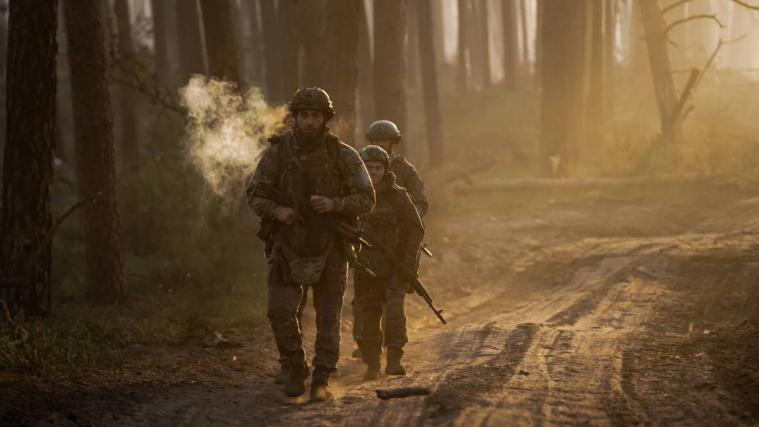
(408, 178)
(395, 224)
(325, 167)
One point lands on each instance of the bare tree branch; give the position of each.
(21, 282)
(156, 95)
(712, 17)
(746, 5)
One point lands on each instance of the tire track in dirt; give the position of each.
(460, 387)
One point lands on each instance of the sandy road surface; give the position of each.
(628, 306)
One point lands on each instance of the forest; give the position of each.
(592, 182)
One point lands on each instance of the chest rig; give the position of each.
(384, 223)
(307, 171)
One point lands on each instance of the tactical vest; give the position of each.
(384, 224)
(305, 172)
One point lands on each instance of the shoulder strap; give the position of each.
(333, 151)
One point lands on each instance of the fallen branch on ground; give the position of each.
(395, 393)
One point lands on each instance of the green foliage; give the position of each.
(192, 266)
(78, 336)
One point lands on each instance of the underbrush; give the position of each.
(78, 335)
(193, 265)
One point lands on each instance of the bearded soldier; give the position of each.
(396, 233)
(386, 134)
(305, 181)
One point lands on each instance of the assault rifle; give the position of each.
(416, 285)
(422, 292)
(348, 231)
(269, 227)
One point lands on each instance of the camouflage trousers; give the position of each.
(377, 300)
(285, 304)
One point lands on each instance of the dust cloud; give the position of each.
(226, 132)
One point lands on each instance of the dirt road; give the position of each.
(629, 305)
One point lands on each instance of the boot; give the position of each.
(372, 367)
(295, 384)
(319, 386)
(372, 372)
(284, 373)
(394, 366)
(356, 353)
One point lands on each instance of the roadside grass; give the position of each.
(78, 336)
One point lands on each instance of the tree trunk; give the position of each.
(563, 82)
(220, 39)
(343, 18)
(510, 43)
(163, 26)
(639, 65)
(254, 43)
(474, 42)
(365, 79)
(28, 172)
(287, 15)
(412, 46)
(94, 150)
(610, 61)
(128, 115)
(438, 29)
(525, 38)
(596, 99)
(3, 68)
(463, 37)
(484, 32)
(192, 58)
(661, 71)
(311, 37)
(390, 66)
(430, 92)
(539, 43)
(272, 52)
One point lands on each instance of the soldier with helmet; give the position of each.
(304, 181)
(386, 134)
(396, 233)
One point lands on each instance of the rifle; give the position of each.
(422, 292)
(416, 284)
(343, 228)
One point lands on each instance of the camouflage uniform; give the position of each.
(395, 227)
(308, 253)
(408, 178)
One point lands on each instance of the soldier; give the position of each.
(305, 181)
(396, 233)
(385, 134)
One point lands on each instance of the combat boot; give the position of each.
(372, 366)
(284, 373)
(394, 366)
(320, 386)
(295, 384)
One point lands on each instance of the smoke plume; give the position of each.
(226, 132)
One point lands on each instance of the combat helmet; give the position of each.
(311, 98)
(384, 129)
(375, 153)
